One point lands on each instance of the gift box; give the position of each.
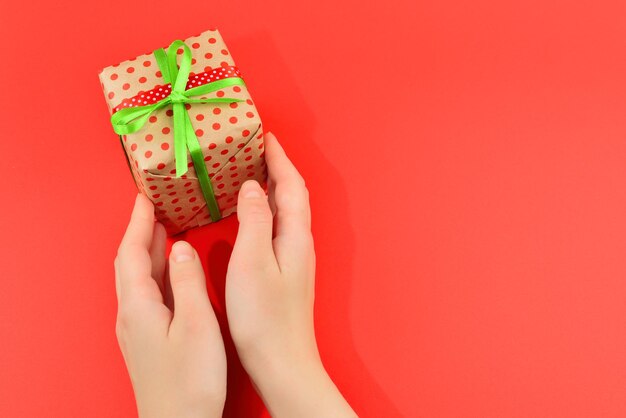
(188, 127)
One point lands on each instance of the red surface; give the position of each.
(469, 211)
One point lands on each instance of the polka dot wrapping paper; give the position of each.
(230, 134)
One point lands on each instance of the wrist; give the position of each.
(300, 388)
(166, 408)
(290, 388)
(281, 365)
(180, 412)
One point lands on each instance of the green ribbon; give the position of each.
(132, 119)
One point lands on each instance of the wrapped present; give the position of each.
(188, 127)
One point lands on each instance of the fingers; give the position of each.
(141, 225)
(254, 238)
(168, 298)
(157, 254)
(188, 284)
(289, 191)
(291, 198)
(133, 262)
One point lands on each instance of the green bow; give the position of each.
(132, 119)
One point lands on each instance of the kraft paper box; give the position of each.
(157, 128)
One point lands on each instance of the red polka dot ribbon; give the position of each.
(158, 93)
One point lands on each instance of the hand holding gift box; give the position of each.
(189, 128)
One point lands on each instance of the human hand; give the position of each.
(166, 327)
(270, 292)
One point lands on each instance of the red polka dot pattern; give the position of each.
(226, 149)
(161, 92)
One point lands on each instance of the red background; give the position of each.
(467, 169)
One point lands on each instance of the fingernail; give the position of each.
(251, 189)
(182, 251)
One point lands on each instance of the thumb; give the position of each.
(254, 238)
(188, 282)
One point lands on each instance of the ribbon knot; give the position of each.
(132, 119)
(176, 97)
